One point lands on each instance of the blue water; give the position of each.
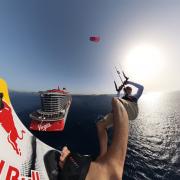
(154, 137)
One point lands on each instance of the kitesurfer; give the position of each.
(110, 162)
(129, 101)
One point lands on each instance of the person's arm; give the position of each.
(118, 148)
(139, 87)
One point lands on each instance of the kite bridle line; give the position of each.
(123, 72)
(123, 82)
(119, 74)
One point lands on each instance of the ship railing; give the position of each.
(50, 113)
(39, 117)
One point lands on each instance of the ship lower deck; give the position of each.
(42, 121)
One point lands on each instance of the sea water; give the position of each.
(154, 137)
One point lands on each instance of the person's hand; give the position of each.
(121, 86)
(64, 153)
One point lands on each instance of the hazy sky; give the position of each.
(44, 44)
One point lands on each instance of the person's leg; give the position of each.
(110, 165)
(117, 151)
(103, 139)
(115, 156)
(107, 120)
(119, 116)
(102, 125)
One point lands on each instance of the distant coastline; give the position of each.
(93, 94)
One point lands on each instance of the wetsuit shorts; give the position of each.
(131, 108)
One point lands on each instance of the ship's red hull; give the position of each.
(47, 125)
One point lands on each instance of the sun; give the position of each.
(144, 62)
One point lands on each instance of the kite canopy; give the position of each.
(94, 38)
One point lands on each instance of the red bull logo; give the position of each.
(7, 123)
(13, 173)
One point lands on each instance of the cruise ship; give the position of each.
(52, 116)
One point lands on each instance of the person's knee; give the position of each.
(100, 125)
(116, 103)
(114, 100)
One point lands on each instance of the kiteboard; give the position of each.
(22, 155)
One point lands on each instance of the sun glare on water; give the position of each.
(144, 62)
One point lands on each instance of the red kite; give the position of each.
(94, 38)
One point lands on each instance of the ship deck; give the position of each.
(39, 117)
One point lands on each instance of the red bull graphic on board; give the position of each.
(22, 155)
(7, 122)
